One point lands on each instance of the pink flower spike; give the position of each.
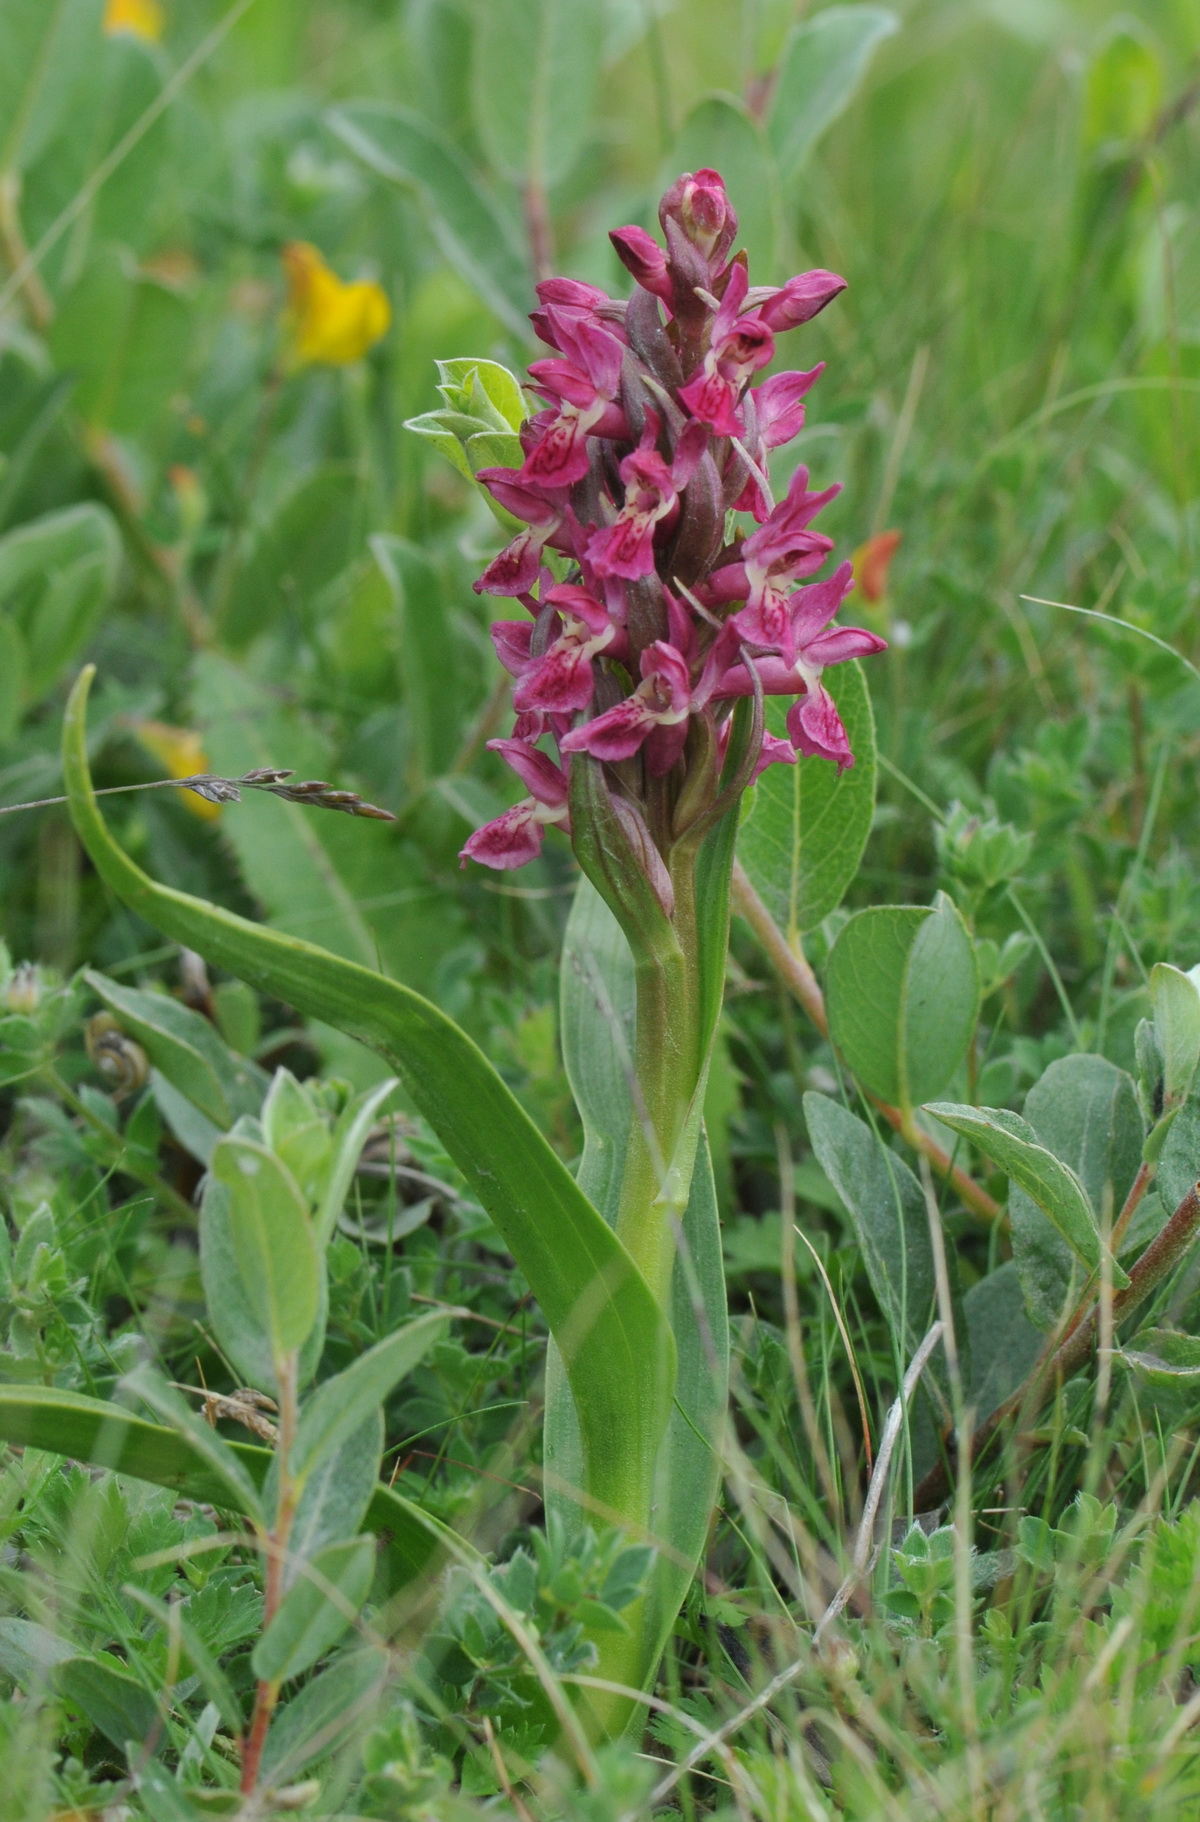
(802, 298)
(641, 255)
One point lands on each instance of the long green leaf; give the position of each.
(108, 1436)
(618, 1349)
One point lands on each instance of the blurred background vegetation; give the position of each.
(255, 551)
(221, 507)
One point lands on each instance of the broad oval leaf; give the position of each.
(823, 65)
(474, 234)
(534, 71)
(902, 991)
(805, 826)
(322, 1601)
(1164, 1358)
(273, 1240)
(1004, 1343)
(617, 1345)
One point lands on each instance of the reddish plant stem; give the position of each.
(1140, 1185)
(793, 969)
(1065, 1354)
(540, 231)
(266, 1694)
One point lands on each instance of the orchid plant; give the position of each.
(667, 595)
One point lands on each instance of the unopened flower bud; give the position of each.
(699, 203)
(24, 990)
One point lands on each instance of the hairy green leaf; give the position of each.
(1012, 1146)
(805, 826)
(342, 1403)
(185, 1049)
(273, 1241)
(312, 1617)
(887, 1206)
(533, 84)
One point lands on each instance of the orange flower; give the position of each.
(329, 321)
(181, 751)
(139, 18)
(872, 561)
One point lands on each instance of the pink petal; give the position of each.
(511, 639)
(713, 400)
(515, 570)
(802, 298)
(510, 841)
(537, 771)
(561, 681)
(641, 254)
(816, 729)
(617, 734)
(625, 548)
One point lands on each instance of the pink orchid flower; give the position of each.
(739, 346)
(585, 386)
(560, 680)
(626, 547)
(774, 415)
(516, 837)
(516, 569)
(655, 716)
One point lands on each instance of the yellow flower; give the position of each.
(140, 18)
(328, 320)
(181, 751)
